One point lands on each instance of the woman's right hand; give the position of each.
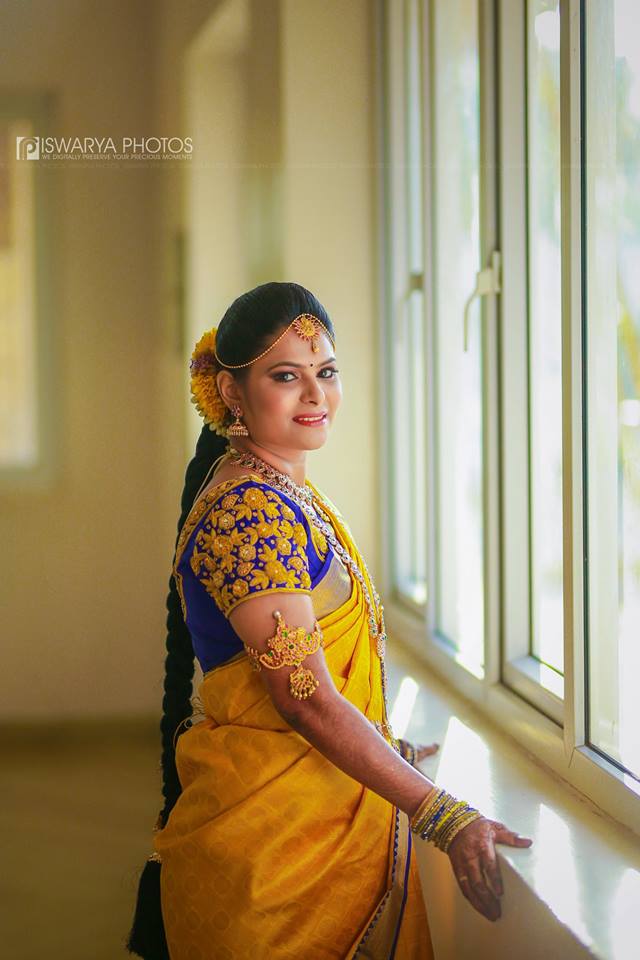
(475, 864)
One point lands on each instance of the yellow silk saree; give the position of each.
(271, 851)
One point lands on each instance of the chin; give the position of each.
(318, 437)
(314, 444)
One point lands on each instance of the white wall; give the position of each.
(87, 562)
(329, 233)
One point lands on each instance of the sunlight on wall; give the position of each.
(403, 706)
(18, 386)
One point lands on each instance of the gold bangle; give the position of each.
(430, 818)
(434, 827)
(441, 816)
(432, 814)
(288, 648)
(445, 836)
(455, 809)
(407, 751)
(462, 822)
(425, 804)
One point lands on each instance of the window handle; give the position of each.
(487, 281)
(415, 282)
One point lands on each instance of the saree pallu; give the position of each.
(271, 851)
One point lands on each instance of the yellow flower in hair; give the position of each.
(204, 389)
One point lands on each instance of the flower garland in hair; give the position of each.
(204, 388)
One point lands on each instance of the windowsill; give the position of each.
(573, 893)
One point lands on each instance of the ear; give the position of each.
(228, 388)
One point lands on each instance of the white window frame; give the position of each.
(396, 293)
(552, 730)
(521, 671)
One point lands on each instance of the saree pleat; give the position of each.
(272, 851)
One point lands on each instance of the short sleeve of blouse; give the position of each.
(250, 542)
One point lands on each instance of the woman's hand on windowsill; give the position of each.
(415, 752)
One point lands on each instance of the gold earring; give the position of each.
(237, 428)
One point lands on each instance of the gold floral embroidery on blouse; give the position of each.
(249, 542)
(319, 542)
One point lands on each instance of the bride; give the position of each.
(291, 810)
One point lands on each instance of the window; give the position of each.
(544, 335)
(612, 239)
(406, 346)
(512, 170)
(431, 276)
(530, 342)
(457, 396)
(26, 416)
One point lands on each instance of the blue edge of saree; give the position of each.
(382, 903)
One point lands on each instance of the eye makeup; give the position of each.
(278, 376)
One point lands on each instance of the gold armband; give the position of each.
(288, 648)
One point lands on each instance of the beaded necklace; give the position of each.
(314, 507)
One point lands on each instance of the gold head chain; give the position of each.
(205, 363)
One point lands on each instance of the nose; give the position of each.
(312, 391)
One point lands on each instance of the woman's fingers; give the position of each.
(475, 888)
(475, 863)
(427, 750)
(492, 869)
(513, 839)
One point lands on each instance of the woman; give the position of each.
(290, 808)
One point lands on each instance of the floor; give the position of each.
(77, 807)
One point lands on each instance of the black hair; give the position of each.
(247, 328)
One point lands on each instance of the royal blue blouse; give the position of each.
(242, 539)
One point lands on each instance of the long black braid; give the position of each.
(249, 325)
(179, 662)
(147, 937)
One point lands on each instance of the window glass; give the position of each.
(409, 373)
(544, 331)
(612, 241)
(458, 388)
